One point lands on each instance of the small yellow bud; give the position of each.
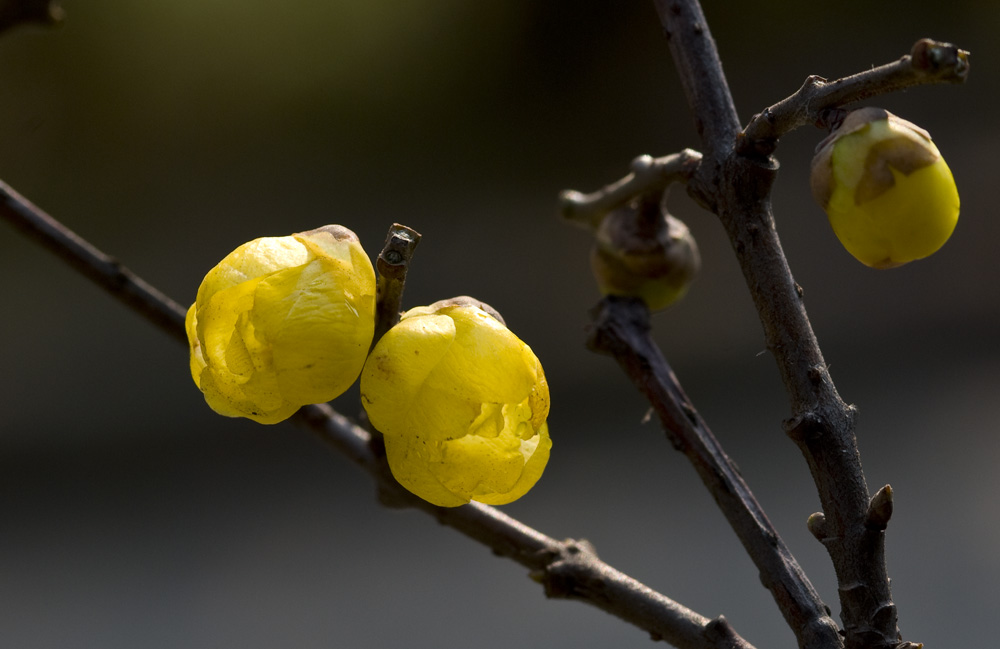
(641, 251)
(461, 403)
(887, 191)
(282, 322)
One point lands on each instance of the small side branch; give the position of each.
(392, 265)
(648, 176)
(621, 329)
(567, 569)
(928, 62)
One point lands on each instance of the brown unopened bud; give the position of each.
(642, 251)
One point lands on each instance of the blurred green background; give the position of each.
(167, 133)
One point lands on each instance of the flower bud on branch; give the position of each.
(642, 251)
(887, 191)
(282, 322)
(461, 403)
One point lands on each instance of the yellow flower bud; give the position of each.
(461, 403)
(887, 191)
(641, 251)
(282, 322)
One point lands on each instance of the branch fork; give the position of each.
(621, 328)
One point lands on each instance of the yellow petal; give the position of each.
(536, 453)
(318, 336)
(282, 322)
(409, 460)
(462, 404)
(481, 341)
(197, 359)
(448, 474)
(251, 260)
(398, 367)
(887, 191)
(910, 221)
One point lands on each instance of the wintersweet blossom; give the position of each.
(282, 322)
(462, 405)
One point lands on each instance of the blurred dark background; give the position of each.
(167, 133)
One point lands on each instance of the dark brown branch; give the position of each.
(734, 181)
(621, 329)
(928, 62)
(392, 265)
(694, 52)
(16, 12)
(567, 569)
(106, 271)
(821, 423)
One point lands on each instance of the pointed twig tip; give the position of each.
(879, 509)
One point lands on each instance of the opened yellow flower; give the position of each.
(887, 191)
(282, 322)
(462, 404)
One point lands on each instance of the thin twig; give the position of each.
(647, 175)
(392, 265)
(567, 569)
(928, 62)
(620, 328)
